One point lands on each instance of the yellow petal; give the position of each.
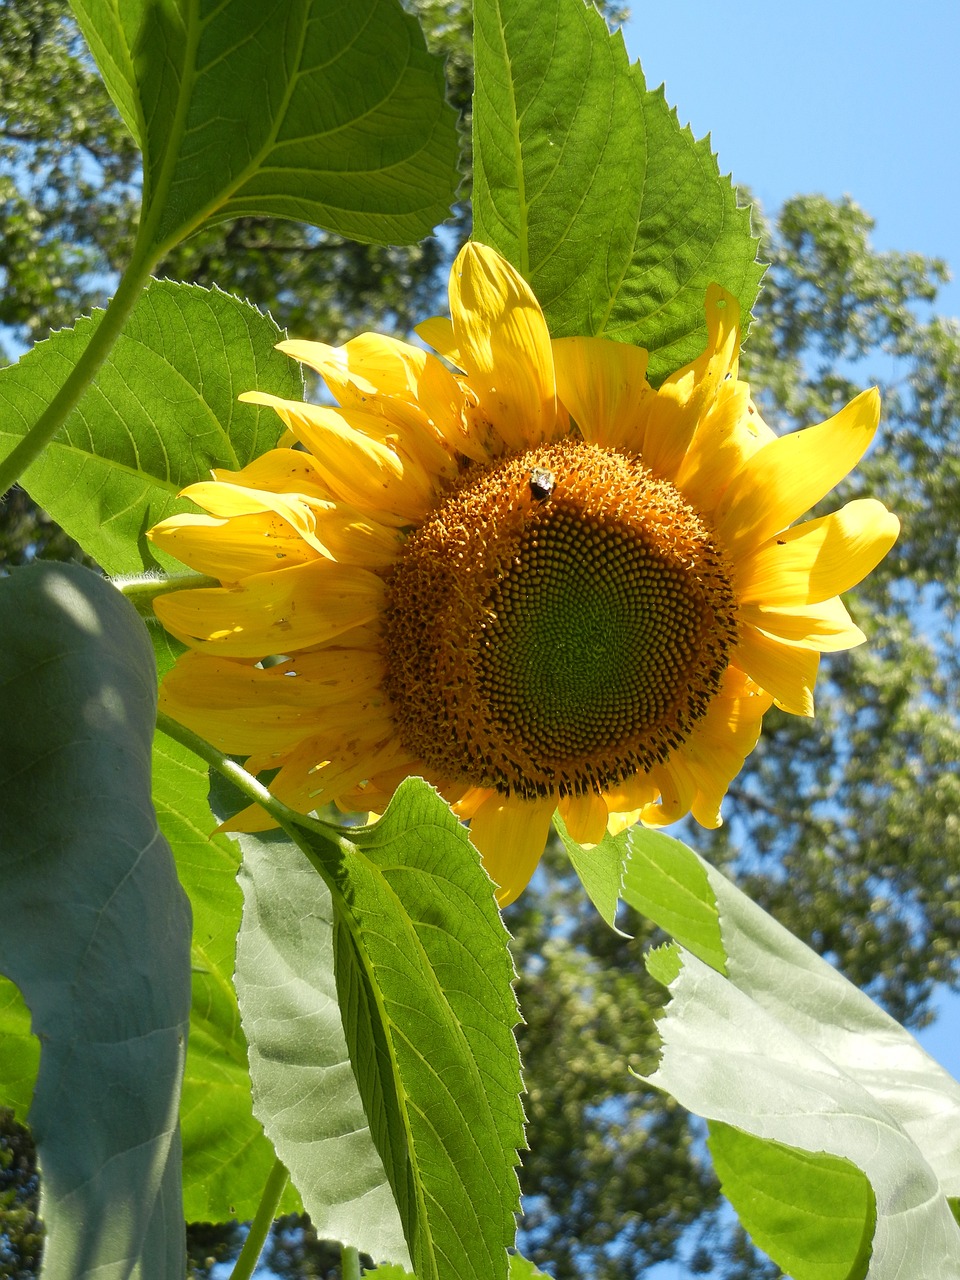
(718, 746)
(632, 793)
(504, 347)
(825, 626)
(274, 613)
(605, 388)
(280, 471)
(819, 559)
(232, 549)
(383, 375)
(511, 835)
(358, 467)
(785, 671)
(585, 817)
(677, 790)
(244, 709)
(437, 332)
(793, 472)
(729, 435)
(684, 399)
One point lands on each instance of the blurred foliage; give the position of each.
(866, 868)
(21, 1232)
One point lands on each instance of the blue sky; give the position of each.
(844, 98)
(848, 97)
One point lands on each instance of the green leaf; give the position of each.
(586, 182)
(96, 927)
(728, 1059)
(303, 1085)
(424, 978)
(599, 867)
(19, 1051)
(162, 412)
(307, 109)
(226, 1158)
(804, 1209)
(667, 883)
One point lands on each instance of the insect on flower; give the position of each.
(541, 483)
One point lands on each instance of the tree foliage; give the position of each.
(865, 873)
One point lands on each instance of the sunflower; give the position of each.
(519, 572)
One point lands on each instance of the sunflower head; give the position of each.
(520, 572)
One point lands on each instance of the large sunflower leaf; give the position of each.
(96, 929)
(785, 1049)
(424, 979)
(226, 1158)
(304, 1089)
(314, 110)
(586, 182)
(161, 412)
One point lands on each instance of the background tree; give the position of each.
(867, 870)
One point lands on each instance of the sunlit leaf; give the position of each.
(585, 180)
(805, 1210)
(308, 109)
(96, 927)
(665, 882)
(162, 411)
(785, 1049)
(599, 867)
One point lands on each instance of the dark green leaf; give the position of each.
(307, 109)
(585, 180)
(226, 1158)
(162, 411)
(96, 927)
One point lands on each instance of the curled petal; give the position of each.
(504, 347)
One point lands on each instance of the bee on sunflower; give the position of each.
(519, 572)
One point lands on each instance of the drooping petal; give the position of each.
(785, 671)
(683, 400)
(233, 549)
(510, 835)
(604, 385)
(585, 817)
(504, 347)
(274, 613)
(793, 472)
(721, 742)
(819, 559)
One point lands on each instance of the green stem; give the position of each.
(261, 1224)
(349, 1263)
(80, 376)
(243, 781)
